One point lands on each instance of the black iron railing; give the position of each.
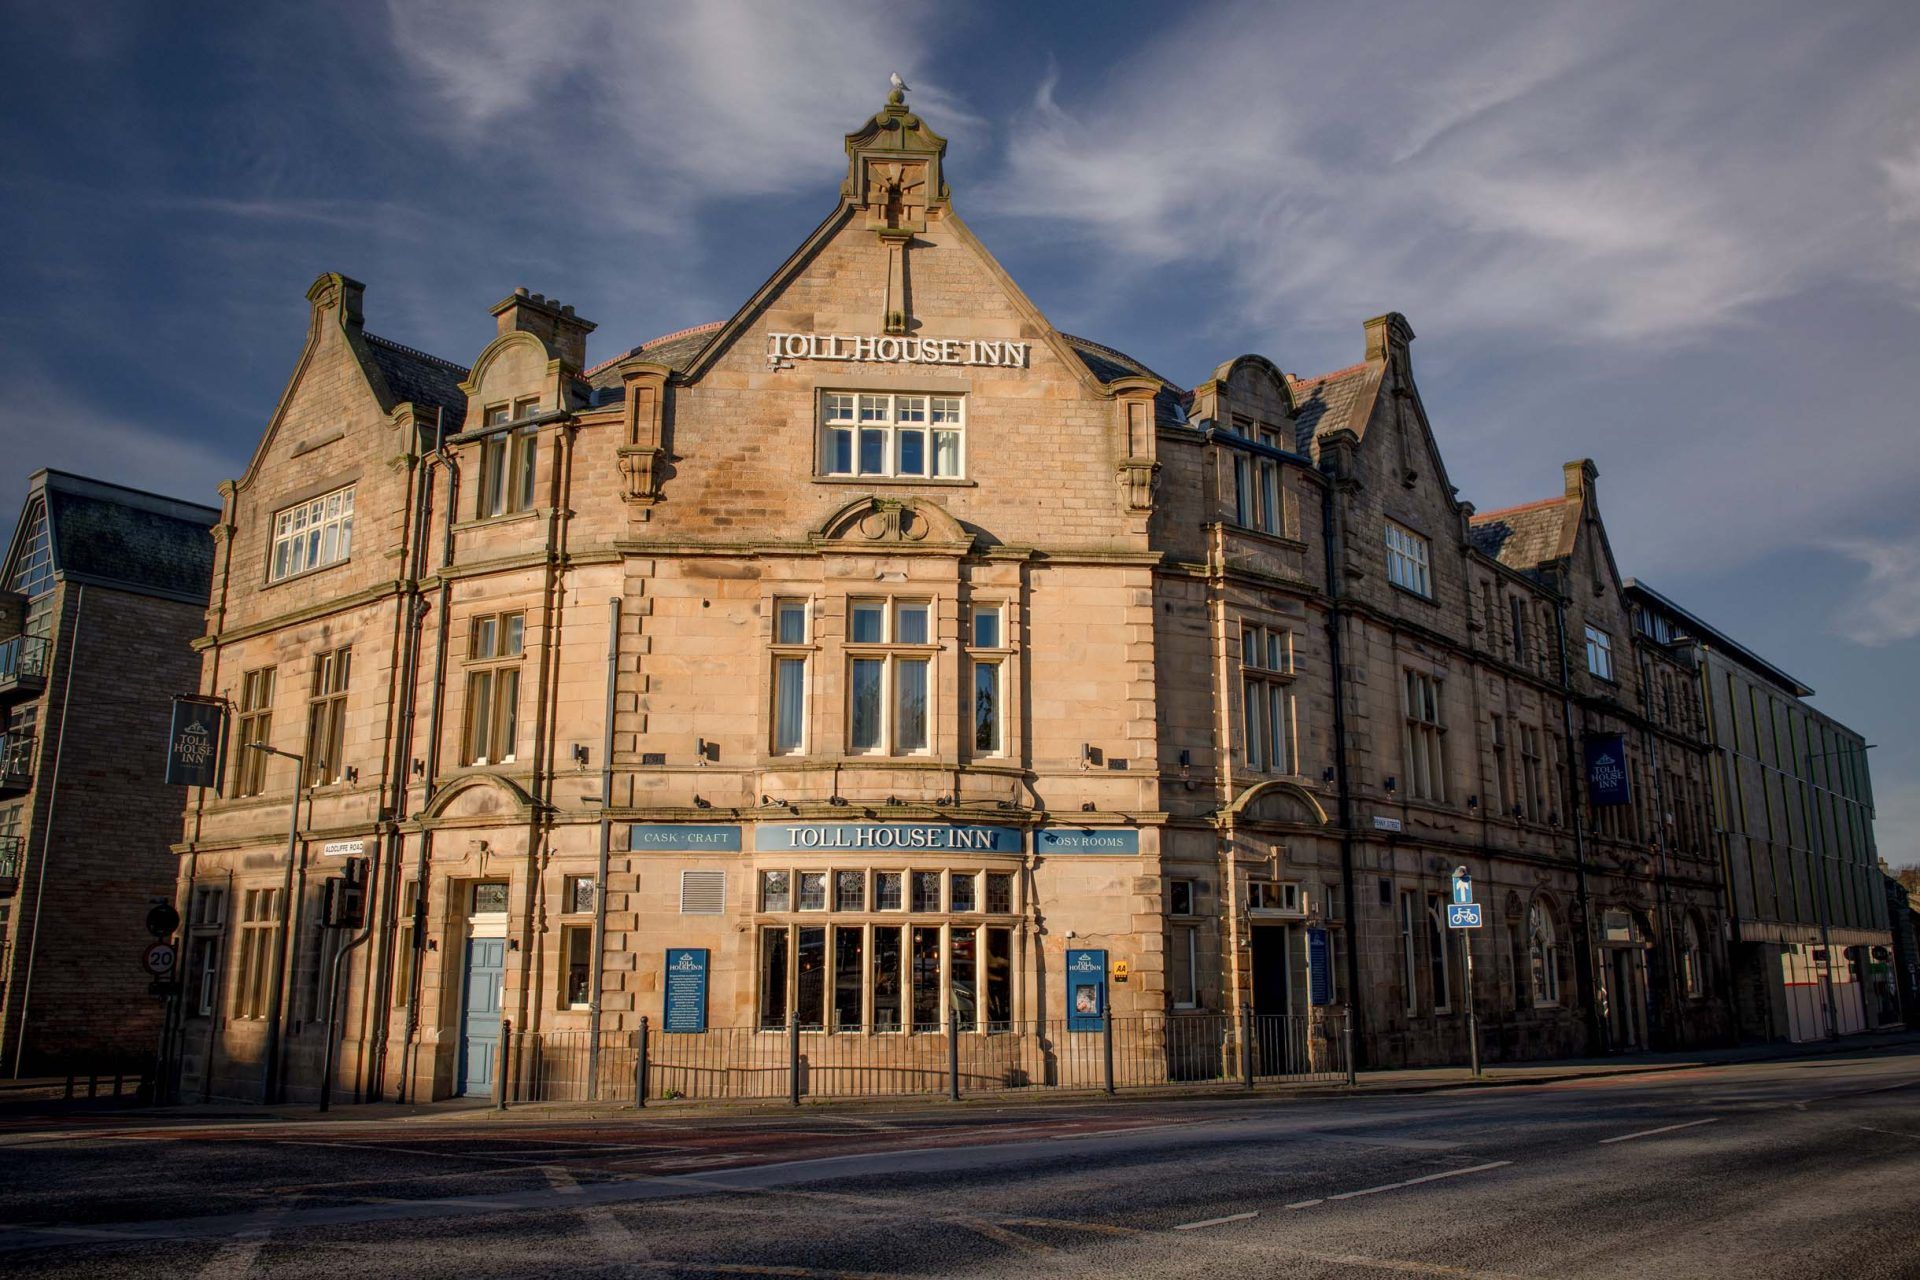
(1127, 1052)
(16, 760)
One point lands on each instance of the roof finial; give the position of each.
(899, 93)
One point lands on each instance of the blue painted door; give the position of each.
(480, 1016)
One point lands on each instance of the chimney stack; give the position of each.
(1387, 334)
(546, 319)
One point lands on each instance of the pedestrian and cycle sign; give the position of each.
(1463, 915)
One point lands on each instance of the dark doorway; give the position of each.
(1279, 1039)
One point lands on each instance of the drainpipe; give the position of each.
(1582, 954)
(376, 1064)
(410, 1050)
(1343, 787)
(606, 847)
(46, 830)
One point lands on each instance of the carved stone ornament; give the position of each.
(896, 522)
(643, 469)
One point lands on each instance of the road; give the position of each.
(1804, 1169)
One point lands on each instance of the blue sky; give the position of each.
(1681, 240)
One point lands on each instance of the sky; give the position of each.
(1681, 240)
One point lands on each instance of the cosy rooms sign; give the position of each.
(865, 349)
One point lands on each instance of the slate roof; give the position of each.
(1330, 401)
(1109, 365)
(1522, 537)
(427, 381)
(675, 350)
(127, 538)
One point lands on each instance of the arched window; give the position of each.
(1693, 959)
(1543, 955)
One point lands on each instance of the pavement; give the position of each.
(1735, 1164)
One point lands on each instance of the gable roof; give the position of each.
(1328, 402)
(427, 380)
(110, 535)
(1109, 365)
(1522, 537)
(675, 350)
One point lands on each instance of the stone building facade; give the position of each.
(882, 659)
(105, 588)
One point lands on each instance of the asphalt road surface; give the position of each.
(1803, 1169)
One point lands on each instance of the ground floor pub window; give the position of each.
(886, 977)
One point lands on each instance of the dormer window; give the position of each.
(507, 460)
(899, 437)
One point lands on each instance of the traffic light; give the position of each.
(345, 903)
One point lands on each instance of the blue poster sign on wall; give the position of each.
(1087, 840)
(1319, 968)
(686, 989)
(677, 837)
(805, 837)
(1086, 990)
(1607, 781)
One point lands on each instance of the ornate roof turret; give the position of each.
(893, 168)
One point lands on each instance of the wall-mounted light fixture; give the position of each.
(701, 749)
(351, 774)
(1393, 785)
(1473, 803)
(1327, 776)
(580, 754)
(419, 767)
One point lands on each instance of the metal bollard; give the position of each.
(1106, 1045)
(1246, 1044)
(1346, 1038)
(500, 1066)
(953, 1054)
(640, 1065)
(793, 1059)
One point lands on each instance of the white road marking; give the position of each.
(1305, 1204)
(1414, 1182)
(1867, 1128)
(1648, 1133)
(1215, 1222)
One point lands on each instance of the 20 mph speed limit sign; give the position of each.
(159, 959)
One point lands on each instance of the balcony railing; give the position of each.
(16, 763)
(23, 664)
(12, 848)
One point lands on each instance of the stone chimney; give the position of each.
(546, 319)
(1387, 335)
(1580, 474)
(332, 291)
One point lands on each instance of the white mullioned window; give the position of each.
(907, 437)
(1426, 762)
(1439, 968)
(890, 645)
(256, 961)
(1409, 560)
(312, 535)
(507, 460)
(495, 650)
(792, 633)
(1266, 699)
(1599, 653)
(1543, 956)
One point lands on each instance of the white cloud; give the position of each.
(640, 114)
(1886, 607)
(1624, 172)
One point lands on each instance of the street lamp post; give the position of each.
(270, 1079)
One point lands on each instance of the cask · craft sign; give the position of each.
(194, 742)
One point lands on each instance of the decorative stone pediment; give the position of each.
(892, 523)
(893, 169)
(481, 795)
(1285, 803)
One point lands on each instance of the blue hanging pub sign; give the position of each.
(1607, 779)
(882, 837)
(196, 742)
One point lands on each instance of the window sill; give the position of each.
(1411, 594)
(304, 574)
(505, 517)
(1263, 535)
(943, 482)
